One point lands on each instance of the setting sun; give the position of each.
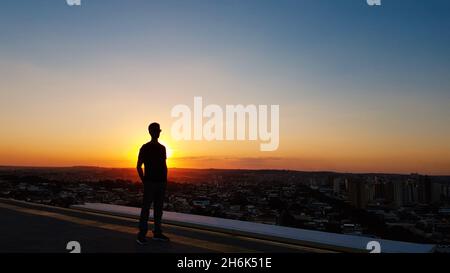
(169, 153)
(169, 150)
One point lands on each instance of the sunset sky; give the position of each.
(360, 88)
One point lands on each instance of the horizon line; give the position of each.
(228, 169)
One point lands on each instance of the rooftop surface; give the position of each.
(28, 227)
(273, 233)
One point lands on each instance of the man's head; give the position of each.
(154, 130)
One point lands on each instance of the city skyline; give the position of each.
(361, 89)
(412, 208)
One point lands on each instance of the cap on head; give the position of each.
(154, 129)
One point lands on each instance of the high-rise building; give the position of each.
(337, 185)
(397, 193)
(436, 192)
(358, 193)
(410, 191)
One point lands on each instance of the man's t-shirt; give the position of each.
(153, 155)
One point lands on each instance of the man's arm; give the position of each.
(139, 166)
(165, 163)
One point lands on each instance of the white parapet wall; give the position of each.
(311, 238)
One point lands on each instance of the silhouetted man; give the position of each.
(153, 156)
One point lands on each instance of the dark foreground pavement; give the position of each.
(27, 227)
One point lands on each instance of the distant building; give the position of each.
(358, 193)
(436, 192)
(398, 190)
(337, 186)
(411, 195)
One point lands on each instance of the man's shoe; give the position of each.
(160, 237)
(142, 241)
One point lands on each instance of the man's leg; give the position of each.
(146, 203)
(160, 190)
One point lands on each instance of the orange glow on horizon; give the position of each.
(120, 150)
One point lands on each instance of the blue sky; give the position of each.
(402, 42)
